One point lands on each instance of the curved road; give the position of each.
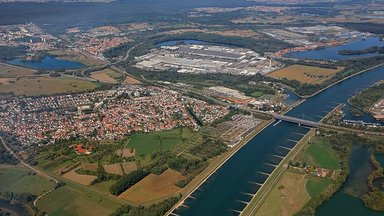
(108, 64)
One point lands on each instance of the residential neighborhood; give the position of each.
(104, 115)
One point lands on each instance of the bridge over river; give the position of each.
(299, 121)
(231, 189)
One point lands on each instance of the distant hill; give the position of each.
(42, 1)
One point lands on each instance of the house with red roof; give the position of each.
(80, 149)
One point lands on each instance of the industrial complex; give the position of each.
(199, 59)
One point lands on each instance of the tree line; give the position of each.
(157, 209)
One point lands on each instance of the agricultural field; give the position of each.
(103, 186)
(81, 179)
(153, 188)
(131, 81)
(320, 154)
(10, 71)
(71, 201)
(107, 75)
(113, 169)
(287, 197)
(19, 179)
(46, 86)
(129, 167)
(126, 152)
(305, 74)
(148, 143)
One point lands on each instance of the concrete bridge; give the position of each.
(301, 122)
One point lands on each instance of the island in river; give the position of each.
(372, 49)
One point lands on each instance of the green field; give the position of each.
(150, 142)
(20, 180)
(70, 201)
(257, 94)
(103, 186)
(115, 75)
(262, 95)
(320, 154)
(45, 86)
(315, 186)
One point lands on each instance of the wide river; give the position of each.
(331, 52)
(228, 190)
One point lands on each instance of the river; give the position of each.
(231, 186)
(331, 52)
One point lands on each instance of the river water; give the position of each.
(330, 53)
(231, 186)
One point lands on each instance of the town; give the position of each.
(215, 107)
(103, 115)
(28, 35)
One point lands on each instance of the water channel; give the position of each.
(228, 190)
